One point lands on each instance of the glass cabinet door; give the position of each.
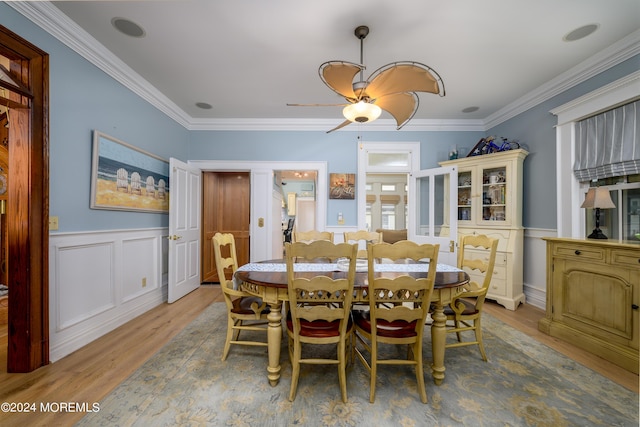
(464, 196)
(494, 194)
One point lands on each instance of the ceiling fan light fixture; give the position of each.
(361, 112)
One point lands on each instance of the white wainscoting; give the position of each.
(535, 266)
(101, 280)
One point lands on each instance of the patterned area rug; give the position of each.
(524, 383)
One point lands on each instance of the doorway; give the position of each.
(24, 92)
(298, 189)
(265, 220)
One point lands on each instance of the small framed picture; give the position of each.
(342, 186)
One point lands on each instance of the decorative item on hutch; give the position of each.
(490, 202)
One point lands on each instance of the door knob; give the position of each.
(174, 237)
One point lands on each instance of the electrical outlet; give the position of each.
(53, 223)
(144, 282)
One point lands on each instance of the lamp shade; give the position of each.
(598, 197)
(361, 112)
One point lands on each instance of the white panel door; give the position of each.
(432, 205)
(184, 229)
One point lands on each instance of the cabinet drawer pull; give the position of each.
(634, 306)
(577, 252)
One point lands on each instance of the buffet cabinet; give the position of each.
(593, 297)
(490, 202)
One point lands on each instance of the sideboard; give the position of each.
(593, 297)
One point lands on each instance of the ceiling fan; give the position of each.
(391, 88)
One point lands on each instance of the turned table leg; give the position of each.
(438, 339)
(274, 340)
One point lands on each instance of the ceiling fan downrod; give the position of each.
(361, 33)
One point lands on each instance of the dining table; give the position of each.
(268, 280)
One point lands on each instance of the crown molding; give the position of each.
(50, 19)
(613, 55)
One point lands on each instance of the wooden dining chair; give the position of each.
(320, 309)
(312, 236)
(362, 236)
(245, 312)
(477, 256)
(397, 311)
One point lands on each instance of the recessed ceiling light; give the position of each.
(581, 32)
(470, 109)
(128, 27)
(204, 105)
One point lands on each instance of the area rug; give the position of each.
(524, 383)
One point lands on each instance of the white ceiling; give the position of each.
(249, 58)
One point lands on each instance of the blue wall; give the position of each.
(535, 128)
(338, 149)
(83, 98)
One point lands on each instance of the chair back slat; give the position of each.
(225, 242)
(363, 238)
(312, 236)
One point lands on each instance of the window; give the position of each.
(388, 216)
(388, 187)
(622, 222)
(367, 216)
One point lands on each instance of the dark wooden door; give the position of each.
(27, 211)
(225, 209)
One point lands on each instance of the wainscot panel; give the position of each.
(534, 266)
(101, 280)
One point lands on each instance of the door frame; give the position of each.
(413, 170)
(262, 173)
(28, 213)
(410, 148)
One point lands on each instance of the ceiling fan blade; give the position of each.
(341, 125)
(318, 105)
(399, 77)
(338, 75)
(402, 106)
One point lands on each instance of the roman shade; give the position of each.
(608, 144)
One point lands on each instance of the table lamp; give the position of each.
(598, 198)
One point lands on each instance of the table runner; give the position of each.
(382, 267)
(309, 266)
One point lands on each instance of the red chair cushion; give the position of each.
(318, 328)
(394, 329)
(243, 305)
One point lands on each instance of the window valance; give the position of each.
(390, 199)
(608, 144)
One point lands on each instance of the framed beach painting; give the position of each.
(124, 177)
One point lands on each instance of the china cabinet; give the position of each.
(593, 297)
(490, 202)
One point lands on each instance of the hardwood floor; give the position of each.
(525, 319)
(92, 372)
